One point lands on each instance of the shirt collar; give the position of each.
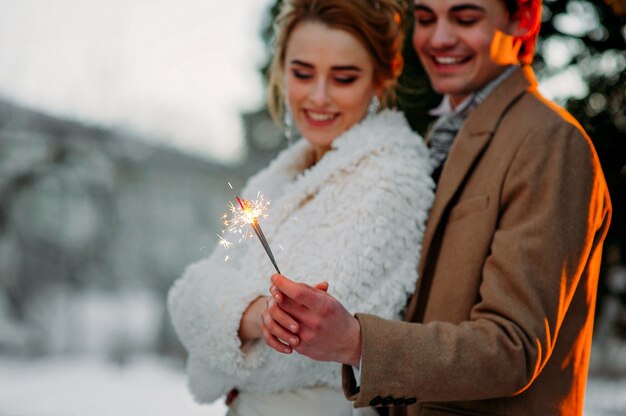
(445, 107)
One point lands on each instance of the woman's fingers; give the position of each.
(282, 318)
(274, 323)
(280, 297)
(274, 343)
(276, 295)
(302, 294)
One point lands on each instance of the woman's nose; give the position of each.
(320, 94)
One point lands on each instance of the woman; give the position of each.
(349, 201)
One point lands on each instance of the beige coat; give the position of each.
(502, 316)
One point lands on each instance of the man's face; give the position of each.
(455, 42)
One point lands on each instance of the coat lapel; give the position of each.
(469, 145)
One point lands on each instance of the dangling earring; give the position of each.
(288, 121)
(372, 109)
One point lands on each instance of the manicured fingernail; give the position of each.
(293, 328)
(287, 350)
(293, 341)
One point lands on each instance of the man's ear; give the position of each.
(506, 47)
(524, 20)
(527, 18)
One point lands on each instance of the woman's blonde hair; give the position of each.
(377, 24)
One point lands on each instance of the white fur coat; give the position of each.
(355, 219)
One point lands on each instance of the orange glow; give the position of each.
(505, 48)
(618, 7)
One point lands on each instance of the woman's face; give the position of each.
(329, 80)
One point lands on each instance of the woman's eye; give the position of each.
(425, 22)
(345, 80)
(302, 74)
(424, 18)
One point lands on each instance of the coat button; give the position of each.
(387, 401)
(399, 401)
(376, 401)
(410, 401)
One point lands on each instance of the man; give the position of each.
(502, 316)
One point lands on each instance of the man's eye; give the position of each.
(302, 74)
(345, 80)
(467, 22)
(467, 19)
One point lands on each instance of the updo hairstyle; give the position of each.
(377, 24)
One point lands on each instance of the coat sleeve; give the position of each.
(553, 215)
(206, 305)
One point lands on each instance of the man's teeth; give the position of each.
(320, 116)
(447, 60)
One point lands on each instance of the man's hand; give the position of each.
(312, 322)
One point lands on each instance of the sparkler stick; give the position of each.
(252, 220)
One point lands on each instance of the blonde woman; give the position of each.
(349, 200)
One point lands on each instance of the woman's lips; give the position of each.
(318, 118)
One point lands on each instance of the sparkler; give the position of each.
(249, 214)
(251, 217)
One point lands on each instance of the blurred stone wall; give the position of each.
(94, 227)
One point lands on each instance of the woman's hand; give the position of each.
(324, 331)
(250, 325)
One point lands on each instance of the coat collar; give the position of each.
(299, 182)
(468, 146)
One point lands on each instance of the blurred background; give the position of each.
(123, 126)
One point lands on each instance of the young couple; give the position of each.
(474, 299)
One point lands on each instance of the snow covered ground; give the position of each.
(90, 387)
(154, 386)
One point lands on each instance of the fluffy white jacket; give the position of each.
(355, 219)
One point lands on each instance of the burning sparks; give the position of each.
(223, 242)
(249, 214)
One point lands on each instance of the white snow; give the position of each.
(156, 386)
(74, 386)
